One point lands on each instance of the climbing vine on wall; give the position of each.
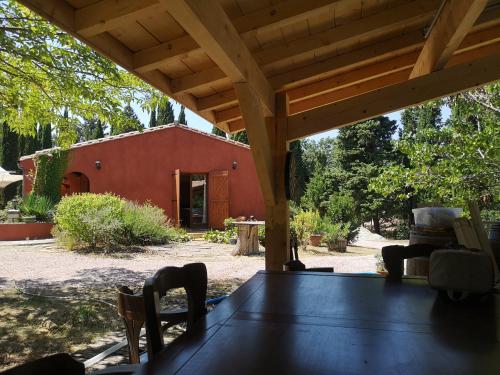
(49, 174)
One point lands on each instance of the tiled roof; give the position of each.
(138, 133)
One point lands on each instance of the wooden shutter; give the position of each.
(218, 198)
(176, 197)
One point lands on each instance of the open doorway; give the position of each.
(193, 200)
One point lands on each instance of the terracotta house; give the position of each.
(197, 178)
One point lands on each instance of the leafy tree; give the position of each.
(300, 171)
(182, 117)
(165, 112)
(44, 70)
(217, 131)
(240, 137)
(317, 155)
(152, 118)
(131, 123)
(29, 143)
(455, 162)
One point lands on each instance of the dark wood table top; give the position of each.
(318, 323)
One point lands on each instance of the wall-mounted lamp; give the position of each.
(98, 164)
(235, 164)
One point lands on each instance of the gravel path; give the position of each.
(46, 263)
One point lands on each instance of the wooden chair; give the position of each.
(193, 278)
(56, 364)
(131, 309)
(294, 264)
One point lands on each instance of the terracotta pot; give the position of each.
(315, 239)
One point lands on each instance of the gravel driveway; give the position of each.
(46, 263)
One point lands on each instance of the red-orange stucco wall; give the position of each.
(140, 167)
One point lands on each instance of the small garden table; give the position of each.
(248, 237)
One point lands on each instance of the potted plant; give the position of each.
(231, 230)
(336, 236)
(316, 236)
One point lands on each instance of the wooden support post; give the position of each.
(277, 214)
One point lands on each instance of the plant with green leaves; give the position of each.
(49, 174)
(341, 208)
(216, 236)
(146, 224)
(44, 71)
(39, 206)
(336, 233)
(303, 224)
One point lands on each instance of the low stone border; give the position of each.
(25, 231)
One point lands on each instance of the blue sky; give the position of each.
(200, 123)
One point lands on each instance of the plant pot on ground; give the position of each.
(316, 239)
(336, 236)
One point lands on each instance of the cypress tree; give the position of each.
(182, 116)
(99, 131)
(9, 148)
(152, 119)
(45, 132)
(165, 112)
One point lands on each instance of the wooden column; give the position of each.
(277, 214)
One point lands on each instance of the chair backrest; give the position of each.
(131, 309)
(193, 278)
(57, 364)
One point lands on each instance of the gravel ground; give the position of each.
(41, 267)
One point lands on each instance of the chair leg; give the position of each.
(133, 328)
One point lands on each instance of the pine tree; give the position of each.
(182, 117)
(99, 132)
(152, 118)
(132, 123)
(217, 131)
(165, 112)
(28, 144)
(240, 137)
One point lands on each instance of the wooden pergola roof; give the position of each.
(284, 70)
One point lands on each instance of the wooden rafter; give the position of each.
(431, 86)
(263, 20)
(451, 26)
(258, 137)
(212, 29)
(107, 15)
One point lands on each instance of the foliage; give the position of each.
(335, 232)
(130, 122)
(217, 236)
(49, 174)
(240, 137)
(9, 153)
(379, 263)
(152, 118)
(45, 136)
(104, 220)
(217, 131)
(146, 224)
(37, 205)
(452, 162)
(91, 219)
(44, 71)
(90, 129)
(181, 235)
(182, 116)
(341, 209)
(165, 114)
(230, 227)
(302, 224)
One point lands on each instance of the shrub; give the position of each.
(146, 225)
(302, 224)
(37, 205)
(341, 208)
(91, 219)
(216, 236)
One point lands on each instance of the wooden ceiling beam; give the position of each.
(431, 86)
(216, 101)
(403, 16)
(212, 29)
(107, 15)
(262, 20)
(452, 24)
